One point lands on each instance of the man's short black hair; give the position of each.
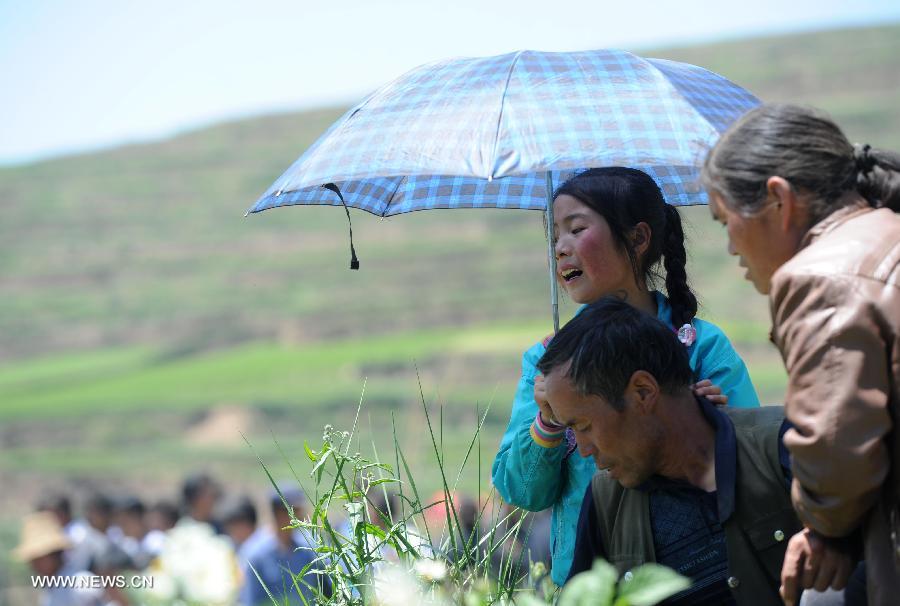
(130, 505)
(166, 510)
(194, 485)
(55, 501)
(100, 503)
(608, 342)
(239, 509)
(293, 495)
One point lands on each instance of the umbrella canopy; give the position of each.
(501, 132)
(483, 132)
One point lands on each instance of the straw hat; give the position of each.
(41, 535)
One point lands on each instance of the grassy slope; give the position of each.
(257, 373)
(136, 296)
(147, 244)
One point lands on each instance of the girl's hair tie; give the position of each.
(687, 334)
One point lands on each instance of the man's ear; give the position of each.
(642, 391)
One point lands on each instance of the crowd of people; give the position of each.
(213, 548)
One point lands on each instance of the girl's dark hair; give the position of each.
(805, 147)
(625, 197)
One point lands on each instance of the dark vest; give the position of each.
(756, 534)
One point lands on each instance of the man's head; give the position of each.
(200, 493)
(162, 516)
(59, 504)
(98, 511)
(42, 543)
(607, 372)
(296, 500)
(239, 518)
(130, 516)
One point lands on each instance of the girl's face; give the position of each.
(590, 265)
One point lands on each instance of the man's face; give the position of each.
(239, 530)
(623, 443)
(283, 518)
(47, 565)
(205, 502)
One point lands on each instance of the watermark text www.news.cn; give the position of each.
(95, 581)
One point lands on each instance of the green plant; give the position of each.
(647, 585)
(399, 539)
(395, 554)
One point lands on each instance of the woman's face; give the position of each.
(756, 240)
(589, 263)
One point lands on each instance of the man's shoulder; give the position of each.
(750, 417)
(254, 542)
(758, 429)
(760, 447)
(260, 547)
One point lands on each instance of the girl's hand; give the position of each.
(540, 396)
(706, 389)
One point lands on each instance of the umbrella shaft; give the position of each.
(551, 255)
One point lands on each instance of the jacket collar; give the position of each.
(832, 221)
(829, 223)
(726, 457)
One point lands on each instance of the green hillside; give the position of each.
(850, 73)
(148, 244)
(144, 320)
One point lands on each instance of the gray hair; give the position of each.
(805, 147)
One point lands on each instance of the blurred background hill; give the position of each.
(145, 322)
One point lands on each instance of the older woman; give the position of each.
(813, 221)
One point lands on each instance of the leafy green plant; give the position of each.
(647, 585)
(397, 555)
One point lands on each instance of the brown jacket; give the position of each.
(836, 320)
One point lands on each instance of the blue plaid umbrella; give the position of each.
(499, 132)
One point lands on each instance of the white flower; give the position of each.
(197, 564)
(393, 586)
(434, 571)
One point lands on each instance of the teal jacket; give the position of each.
(533, 477)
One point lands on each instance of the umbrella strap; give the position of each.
(354, 262)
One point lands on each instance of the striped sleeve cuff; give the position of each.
(545, 434)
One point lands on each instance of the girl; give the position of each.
(612, 228)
